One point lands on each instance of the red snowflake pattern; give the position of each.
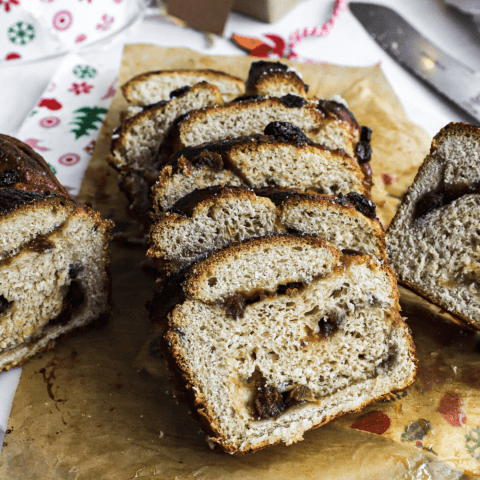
(78, 88)
(8, 3)
(107, 23)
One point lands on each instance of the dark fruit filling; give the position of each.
(268, 400)
(293, 101)
(151, 106)
(365, 134)
(74, 270)
(235, 306)
(180, 91)
(9, 177)
(247, 98)
(40, 244)
(364, 206)
(351, 251)
(429, 202)
(363, 151)
(286, 132)
(445, 195)
(11, 198)
(270, 403)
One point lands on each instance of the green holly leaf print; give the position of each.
(86, 119)
(472, 442)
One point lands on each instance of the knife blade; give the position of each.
(457, 82)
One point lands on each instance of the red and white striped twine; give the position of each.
(297, 36)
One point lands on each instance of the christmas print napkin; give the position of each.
(32, 29)
(65, 122)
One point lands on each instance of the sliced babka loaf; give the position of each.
(278, 335)
(212, 218)
(434, 237)
(135, 143)
(283, 157)
(274, 79)
(151, 87)
(54, 257)
(324, 122)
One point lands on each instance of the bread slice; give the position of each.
(274, 79)
(348, 222)
(283, 157)
(207, 220)
(135, 143)
(279, 335)
(326, 123)
(182, 177)
(151, 87)
(434, 237)
(54, 257)
(210, 219)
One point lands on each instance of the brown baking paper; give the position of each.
(100, 405)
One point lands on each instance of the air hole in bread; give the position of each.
(212, 281)
(313, 311)
(329, 325)
(4, 304)
(338, 293)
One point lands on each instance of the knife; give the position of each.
(457, 82)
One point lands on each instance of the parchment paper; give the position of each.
(100, 405)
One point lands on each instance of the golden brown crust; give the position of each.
(470, 322)
(128, 87)
(263, 84)
(97, 324)
(33, 171)
(453, 128)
